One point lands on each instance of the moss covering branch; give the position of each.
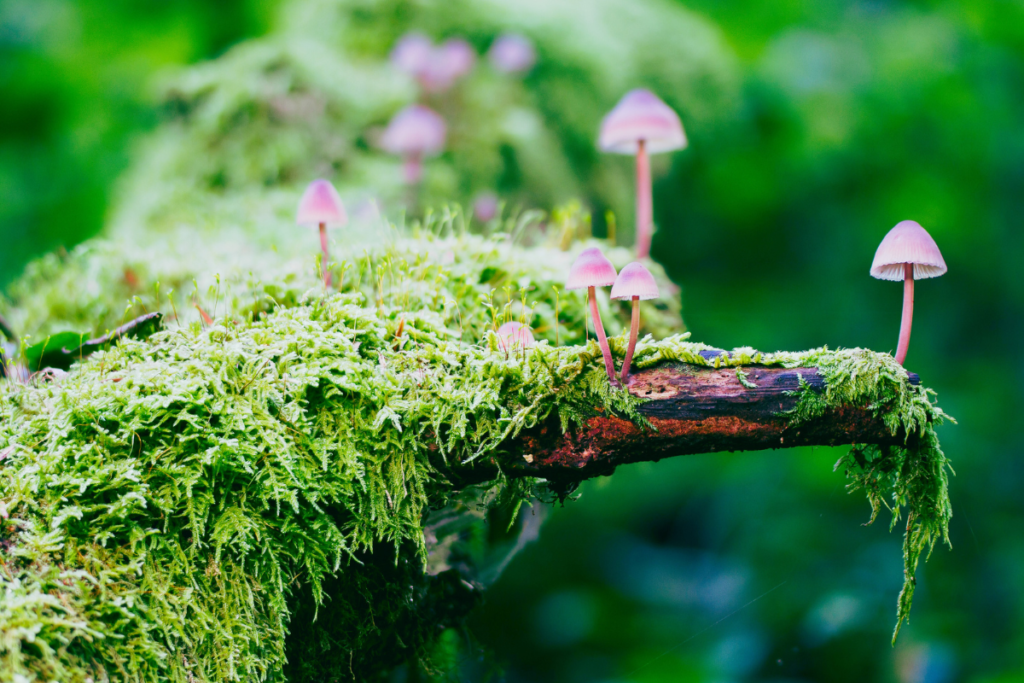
(692, 408)
(279, 494)
(172, 503)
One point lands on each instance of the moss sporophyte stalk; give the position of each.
(213, 500)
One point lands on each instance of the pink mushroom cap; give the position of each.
(513, 334)
(635, 281)
(590, 269)
(320, 203)
(512, 53)
(485, 206)
(641, 115)
(908, 242)
(446, 64)
(458, 55)
(415, 131)
(412, 53)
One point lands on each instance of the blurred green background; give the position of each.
(831, 122)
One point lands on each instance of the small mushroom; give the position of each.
(414, 133)
(321, 205)
(514, 336)
(512, 53)
(435, 68)
(634, 282)
(591, 270)
(642, 124)
(907, 253)
(485, 206)
(412, 53)
(458, 55)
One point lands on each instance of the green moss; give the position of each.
(912, 477)
(173, 505)
(265, 498)
(216, 477)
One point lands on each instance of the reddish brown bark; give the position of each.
(692, 409)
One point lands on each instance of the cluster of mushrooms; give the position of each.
(641, 124)
(417, 131)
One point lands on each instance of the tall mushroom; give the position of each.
(907, 253)
(591, 270)
(414, 133)
(642, 124)
(634, 282)
(321, 205)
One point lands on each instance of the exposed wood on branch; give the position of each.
(694, 409)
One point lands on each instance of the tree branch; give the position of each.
(693, 409)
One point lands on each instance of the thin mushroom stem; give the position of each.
(412, 173)
(323, 247)
(609, 366)
(634, 330)
(412, 169)
(644, 202)
(908, 312)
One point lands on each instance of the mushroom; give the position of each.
(458, 55)
(591, 270)
(321, 205)
(485, 206)
(642, 124)
(512, 53)
(434, 68)
(412, 53)
(414, 133)
(446, 64)
(634, 282)
(514, 335)
(907, 253)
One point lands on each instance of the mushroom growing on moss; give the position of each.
(642, 124)
(907, 253)
(514, 336)
(414, 133)
(591, 270)
(635, 282)
(321, 205)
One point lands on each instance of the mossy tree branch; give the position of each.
(690, 409)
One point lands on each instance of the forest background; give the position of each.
(841, 119)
